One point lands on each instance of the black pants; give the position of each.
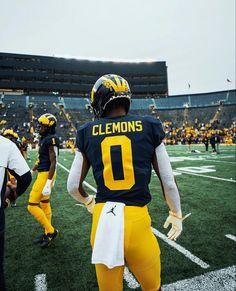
(213, 145)
(2, 226)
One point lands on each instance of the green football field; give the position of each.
(207, 187)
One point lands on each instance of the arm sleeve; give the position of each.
(167, 179)
(74, 177)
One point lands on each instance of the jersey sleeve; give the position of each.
(53, 141)
(157, 131)
(80, 138)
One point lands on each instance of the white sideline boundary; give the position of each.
(230, 236)
(40, 282)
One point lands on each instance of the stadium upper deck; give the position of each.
(41, 74)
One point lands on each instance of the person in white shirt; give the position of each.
(11, 160)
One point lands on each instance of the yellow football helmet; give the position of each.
(47, 123)
(8, 132)
(47, 119)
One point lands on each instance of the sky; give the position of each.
(196, 38)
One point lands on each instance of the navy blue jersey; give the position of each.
(43, 155)
(120, 151)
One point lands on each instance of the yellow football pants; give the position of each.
(43, 213)
(141, 250)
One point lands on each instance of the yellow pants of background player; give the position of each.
(141, 250)
(43, 213)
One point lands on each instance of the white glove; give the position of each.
(47, 188)
(176, 220)
(90, 203)
(7, 203)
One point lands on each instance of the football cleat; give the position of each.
(39, 239)
(49, 238)
(106, 89)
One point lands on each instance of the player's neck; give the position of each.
(116, 112)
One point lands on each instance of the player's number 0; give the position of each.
(127, 162)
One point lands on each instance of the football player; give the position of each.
(25, 148)
(39, 200)
(121, 148)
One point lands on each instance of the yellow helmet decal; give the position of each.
(46, 121)
(118, 86)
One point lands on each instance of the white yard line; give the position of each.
(181, 249)
(40, 283)
(216, 157)
(215, 161)
(129, 278)
(206, 176)
(230, 236)
(220, 280)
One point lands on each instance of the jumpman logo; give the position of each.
(112, 210)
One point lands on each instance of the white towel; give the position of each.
(109, 239)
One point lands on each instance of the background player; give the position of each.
(39, 201)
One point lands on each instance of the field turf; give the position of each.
(207, 186)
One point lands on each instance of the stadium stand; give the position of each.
(33, 85)
(18, 110)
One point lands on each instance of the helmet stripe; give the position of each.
(118, 81)
(111, 83)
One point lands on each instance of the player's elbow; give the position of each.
(170, 187)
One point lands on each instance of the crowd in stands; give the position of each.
(200, 134)
(207, 125)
